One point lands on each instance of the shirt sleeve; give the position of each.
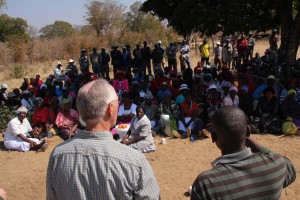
(290, 175)
(147, 186)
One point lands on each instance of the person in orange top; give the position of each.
(188, 111)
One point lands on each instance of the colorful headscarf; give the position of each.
(291, 91)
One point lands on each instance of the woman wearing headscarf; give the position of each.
(40, 117)
(267, 109)
(67, 121)
(139, 135)
(18, 134)
(232, 99)
(120, 83)
(151, 108)
(290, 107)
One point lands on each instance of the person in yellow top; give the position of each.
(204, 51)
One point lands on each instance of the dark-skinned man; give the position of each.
(246, 170)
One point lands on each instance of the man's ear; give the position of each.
(248, 131)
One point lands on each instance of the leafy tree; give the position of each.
(12, 28)
(105, 16)
(210, 17)
(58, 29)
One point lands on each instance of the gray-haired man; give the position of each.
(93, 165)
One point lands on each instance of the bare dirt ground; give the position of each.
(175, 164)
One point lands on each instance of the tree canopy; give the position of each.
(105, 16)
(211, 16)
(12, 27)
(58, 29)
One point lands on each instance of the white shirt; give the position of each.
(228, 101)
(15, 127)
(122, 111)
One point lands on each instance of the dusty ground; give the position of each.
(175, 164)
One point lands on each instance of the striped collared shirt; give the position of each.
(245, 175)
(94, 166)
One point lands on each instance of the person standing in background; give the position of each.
(95, 59)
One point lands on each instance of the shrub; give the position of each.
(6, 114)
(17, 71)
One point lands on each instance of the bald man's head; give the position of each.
(230, 125)
(93, 98)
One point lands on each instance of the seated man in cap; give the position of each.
(18, 132)
(246, 170)
(58, 72)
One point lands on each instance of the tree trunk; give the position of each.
(290, 34)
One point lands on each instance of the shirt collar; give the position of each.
(102, 135)
(232, 158)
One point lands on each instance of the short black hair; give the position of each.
(230, 122)
(127, 95)
(142, 107)
(269, 89)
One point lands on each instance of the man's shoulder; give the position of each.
(102, 148)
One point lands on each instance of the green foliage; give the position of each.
(11, 28)
(58, 29)
(210, 17)
(6, 114)
(17, 71)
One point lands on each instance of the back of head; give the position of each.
(230, 125)
(93, 99)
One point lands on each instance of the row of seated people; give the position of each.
(174, 104)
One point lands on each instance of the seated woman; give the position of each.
(168, 113)
(290, 107)
(139, 135)
(120, 84)
(67, 121)
(54, 109)
(127, 110)
(151, 108)
(40, 118)
(188, 111)
(18, 132)
(267, 110)
(232, 99)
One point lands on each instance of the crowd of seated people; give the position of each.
(177, 103)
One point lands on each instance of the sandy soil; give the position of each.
(175, 164)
